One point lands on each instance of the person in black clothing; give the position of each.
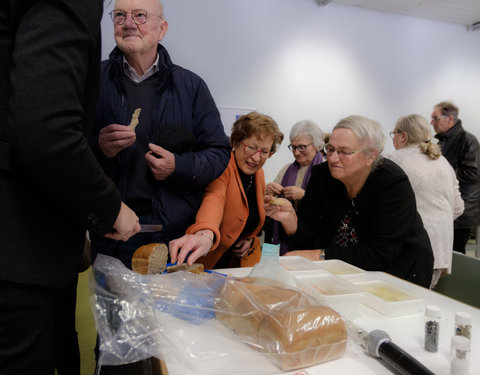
(359, 207)
(462, 151)
(52, 189)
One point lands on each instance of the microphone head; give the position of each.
(374, 339)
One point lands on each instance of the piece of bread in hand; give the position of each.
(150, 258)
(133, 124)
(194, 268)
(277, 201)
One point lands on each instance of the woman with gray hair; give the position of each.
(435, 185)
(306, 144)
(358, 207)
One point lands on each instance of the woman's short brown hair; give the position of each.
(256, 124)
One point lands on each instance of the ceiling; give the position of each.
(464, 12)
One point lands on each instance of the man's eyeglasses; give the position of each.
(250, 151)
(436, 118)
(329, 150)
(392, 133)
(139, 16)
(300, 148)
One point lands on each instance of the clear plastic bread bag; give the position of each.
(208, 323)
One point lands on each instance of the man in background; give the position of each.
(52, 189)
(462, 151)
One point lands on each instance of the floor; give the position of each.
(85, 326)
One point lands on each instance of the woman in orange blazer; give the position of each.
(232, 213)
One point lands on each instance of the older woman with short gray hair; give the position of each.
(306, 144)
(358, 207)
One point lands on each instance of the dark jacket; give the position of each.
(462, 151)
(51, 186)
(183, 100)
(391, 236)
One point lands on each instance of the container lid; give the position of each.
(460, 343)
(463, 318)
(432, 311)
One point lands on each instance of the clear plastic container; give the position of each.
(337, 293)
(463, 324)
(432, 328)
(389, 299)
(340, 268)
(297, 263)
(460, 356)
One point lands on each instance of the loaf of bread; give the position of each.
(150, 258)
(284, 323)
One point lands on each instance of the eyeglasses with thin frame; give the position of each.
(392, 133)
(301, 148)
(342, 153)
(139, 16)
(250, 151)
(436, 118)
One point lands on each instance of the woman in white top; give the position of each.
(435, 185)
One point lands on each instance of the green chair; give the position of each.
(463, 284)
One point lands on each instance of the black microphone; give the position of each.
(380, 345)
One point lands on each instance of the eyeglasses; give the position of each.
(300, 148)
(436, 118)
(139, 16)
(250, 151)
(329, 150)
(392, 133)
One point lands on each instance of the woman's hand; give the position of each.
(293, 193)
(274, 189)
(192, 245)
(309, 254)
(281, 210)
(242, 247)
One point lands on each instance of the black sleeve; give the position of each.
(54, 87)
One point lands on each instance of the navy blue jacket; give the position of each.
(182, 99)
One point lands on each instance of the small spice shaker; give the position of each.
(463, 324)
(432, 328)
(460, 356)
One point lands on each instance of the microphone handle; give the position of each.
(400, 360)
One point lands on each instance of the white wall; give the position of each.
(293, 60)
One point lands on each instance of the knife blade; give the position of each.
(150, 228)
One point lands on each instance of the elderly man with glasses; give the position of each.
(462, 151)
(175, 144)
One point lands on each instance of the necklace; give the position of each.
(250, 183)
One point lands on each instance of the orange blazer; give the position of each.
(224, 211)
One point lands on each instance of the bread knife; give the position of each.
(150, 228)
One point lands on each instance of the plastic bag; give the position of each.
(191, 321)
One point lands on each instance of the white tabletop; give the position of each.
(406, 331)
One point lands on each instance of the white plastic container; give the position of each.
(297, 263)
(340, 268)
(336, 292)
(389, 299)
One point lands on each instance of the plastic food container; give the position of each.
(336, 292)
(389, 299)
(297, 263)
(340, 268)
